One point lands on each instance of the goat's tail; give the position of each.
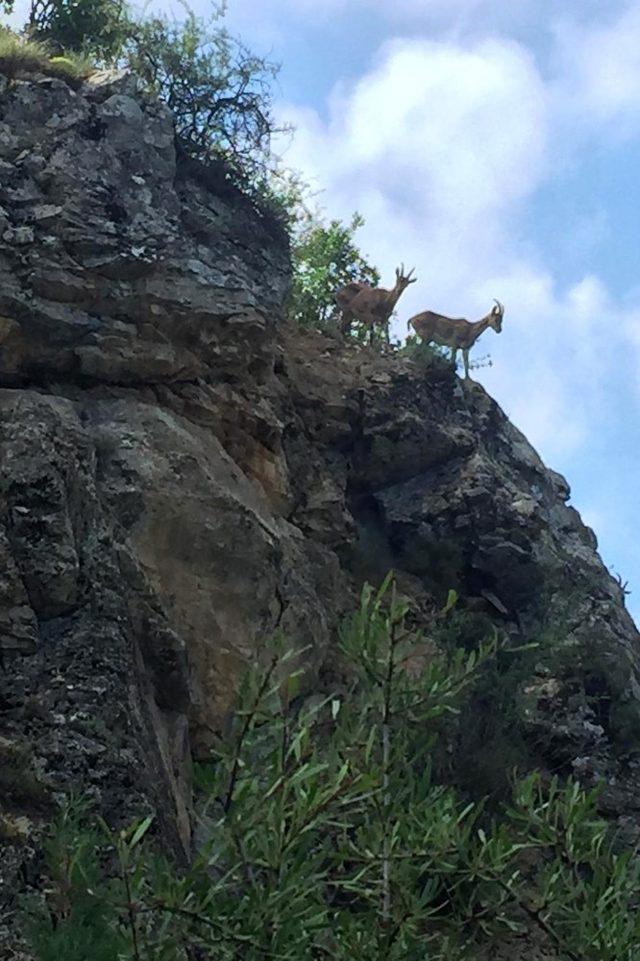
(409, 324)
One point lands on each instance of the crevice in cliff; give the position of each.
(370, 556)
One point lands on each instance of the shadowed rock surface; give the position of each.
(183, 474)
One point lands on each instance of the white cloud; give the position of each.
(599, 65)
(464, 127)
(19, 15)
(553, 375)
(434, 146)
(632, 331)
(485, 13)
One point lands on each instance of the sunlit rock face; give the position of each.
(183, 475)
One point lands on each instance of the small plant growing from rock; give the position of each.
(21, 57)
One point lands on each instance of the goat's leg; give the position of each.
(454, 351)
(345, 322)
(465, 357)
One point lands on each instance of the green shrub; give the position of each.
(20, 788)
(427, 355)
(95, 27)
(88, 929)
(20, 56)
(330, 837)
(219, 92)
(325, 258)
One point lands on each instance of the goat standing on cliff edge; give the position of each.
(455, 332)
(371, 305)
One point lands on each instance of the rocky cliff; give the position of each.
(183, 474)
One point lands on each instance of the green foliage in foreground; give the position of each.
(330, 838)
(325, 258)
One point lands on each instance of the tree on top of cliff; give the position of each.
(218, 90)
(325, 258)
(98, 27)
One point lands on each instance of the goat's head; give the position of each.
(402, 281)
(496, 315)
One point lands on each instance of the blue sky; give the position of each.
(496, 146)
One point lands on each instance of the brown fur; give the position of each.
(455, 332)
(371, 305)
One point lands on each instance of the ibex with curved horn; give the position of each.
(371, 305)
(455, 332)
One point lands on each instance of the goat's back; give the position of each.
(457, 332)
(425, 322)
(347, 294)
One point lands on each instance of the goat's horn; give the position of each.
(410, 272)
(499, 305)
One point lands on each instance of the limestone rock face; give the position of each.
(184, 475)
(144, 534)
(117, 267)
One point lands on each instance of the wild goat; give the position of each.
(455, 332)
(371, 305)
